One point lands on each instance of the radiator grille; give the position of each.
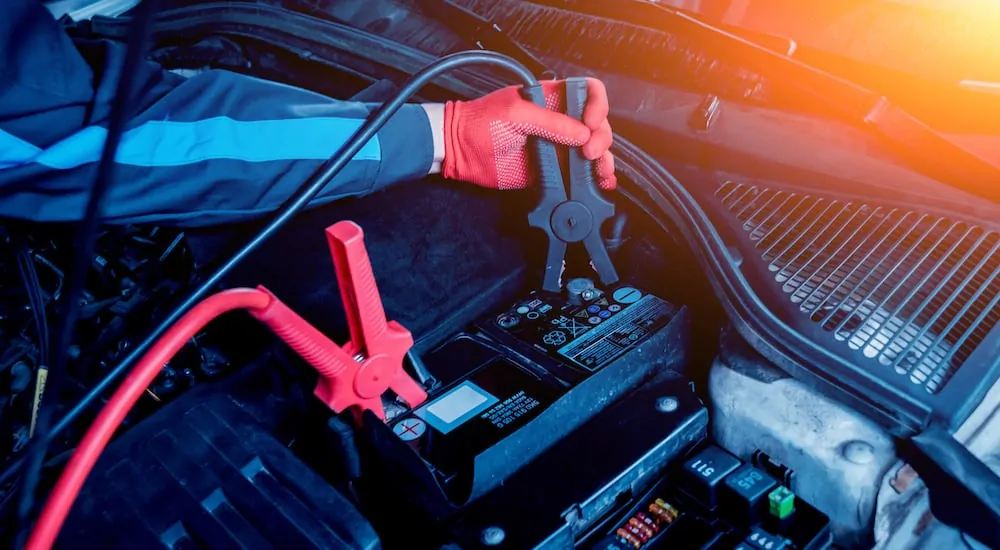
(914, 292)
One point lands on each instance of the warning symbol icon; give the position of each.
(572, 325)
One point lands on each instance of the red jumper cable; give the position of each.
(354, 375)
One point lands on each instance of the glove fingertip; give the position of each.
(605, 168)
(595, 113)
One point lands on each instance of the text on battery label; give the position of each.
(506, 412)
(605, 341)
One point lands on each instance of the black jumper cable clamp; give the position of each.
(579, 216)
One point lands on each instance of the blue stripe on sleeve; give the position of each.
(166, 143)
(15, 151)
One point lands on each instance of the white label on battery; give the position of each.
(454, 408)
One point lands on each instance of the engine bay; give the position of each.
(559, 420)
(648, 410)
(523, 385)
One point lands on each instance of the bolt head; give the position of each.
(667, 404)
(859, 452)
(493, 536)
(508, 320)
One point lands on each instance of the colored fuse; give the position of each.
(642, 527)
(660, 513)
(628, 537)
(648, 522)
(636, 527)
(782, 502)
(671, 511)
(645, 532)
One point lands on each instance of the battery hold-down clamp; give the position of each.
(356, 374)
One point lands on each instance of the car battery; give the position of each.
(520, 380)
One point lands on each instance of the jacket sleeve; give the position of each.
(213, 148)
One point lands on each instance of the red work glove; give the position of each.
(485, 138)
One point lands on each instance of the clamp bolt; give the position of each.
(508, 320)
(667, 404)
(493, 536)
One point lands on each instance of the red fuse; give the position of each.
(644, 532)
(648, 522)
(635, 532)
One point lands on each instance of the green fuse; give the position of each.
(782, 502)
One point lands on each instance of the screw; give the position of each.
(667, 404)
(508, 320)
(859, 452)
(493, 536)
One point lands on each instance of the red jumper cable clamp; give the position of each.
(354, 375)
(359, 372)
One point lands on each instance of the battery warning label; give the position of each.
(606, 341)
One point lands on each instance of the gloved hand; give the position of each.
(485, 139)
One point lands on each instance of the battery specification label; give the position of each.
(605, 341)
(505, 413)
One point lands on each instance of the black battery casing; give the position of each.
(512, 390)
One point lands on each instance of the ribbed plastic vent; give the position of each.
(652, 54)
(914, 292)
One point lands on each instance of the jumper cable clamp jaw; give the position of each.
(574, 218)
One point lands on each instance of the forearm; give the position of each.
(435, 116)
(213, 148)
(222, 147)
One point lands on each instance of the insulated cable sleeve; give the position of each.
(329, 359)
(296, 203)
(304, 339)
(53, 515)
